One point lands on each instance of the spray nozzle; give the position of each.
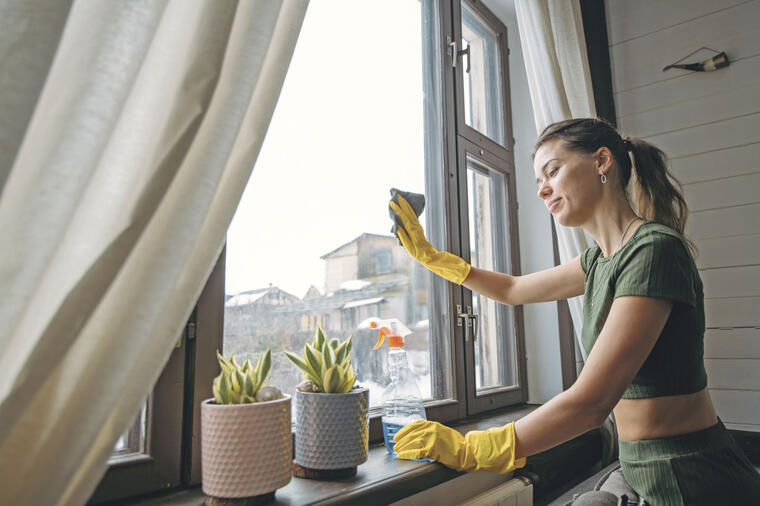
(390, 327)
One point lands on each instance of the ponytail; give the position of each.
(655, 195)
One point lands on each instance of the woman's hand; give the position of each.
(492, 450)
(413, 238)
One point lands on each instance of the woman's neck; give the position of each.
(610, 224)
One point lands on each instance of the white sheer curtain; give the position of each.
(554, 48)
(128, 133)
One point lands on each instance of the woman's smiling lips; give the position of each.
(553, 203)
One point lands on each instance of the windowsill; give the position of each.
(383, 479)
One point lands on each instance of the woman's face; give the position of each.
(568, 182)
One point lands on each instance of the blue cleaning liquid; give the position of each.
(389, 430)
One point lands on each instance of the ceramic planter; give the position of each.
(246, 449)
(332, 430)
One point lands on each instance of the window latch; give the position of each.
(452, 51)
(469, 320)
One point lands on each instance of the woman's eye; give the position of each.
(553, 172)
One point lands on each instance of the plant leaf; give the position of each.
(223, 362)
(249, 384)
(224, 390)
(313, 358)
(240, 380)
(327, 356)
(298, 361)
(217, 394)
(332, 380)
(320, 339)
(349, 380)
(266, 364)
(340, 353)
(334, 343)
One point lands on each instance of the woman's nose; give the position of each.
(544, 191)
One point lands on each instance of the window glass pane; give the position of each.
(310, 244)
(495, 336)
(483, 100)
(132, 442)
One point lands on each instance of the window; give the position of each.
(402, 94)
(371, 123)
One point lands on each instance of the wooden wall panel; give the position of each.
(737, 406)
(686, 87)
(725, 105)
(628, 20)
(726, 222)
(733, 343)
(732, 282)
(738, 312)
(728, 251)
(725, 192)
(640, 61)
(738, 131)
(733, 373)
(732, 161)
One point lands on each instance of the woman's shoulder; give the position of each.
(654, 242)
(657, 235)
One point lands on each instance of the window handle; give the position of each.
(469, 320)
(466, 52)
(452, 51)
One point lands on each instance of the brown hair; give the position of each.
(656, 195)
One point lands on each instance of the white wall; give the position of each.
(708, 124)
(541, 327)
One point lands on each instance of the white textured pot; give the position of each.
(246, 449)
(332, 430)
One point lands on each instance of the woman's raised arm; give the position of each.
(560, 282)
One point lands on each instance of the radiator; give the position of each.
(516, 492)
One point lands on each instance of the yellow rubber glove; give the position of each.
(442, 263)
(492, 450)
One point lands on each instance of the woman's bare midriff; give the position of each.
(664, 416)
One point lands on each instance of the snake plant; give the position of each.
(327, 364)
(241, 384)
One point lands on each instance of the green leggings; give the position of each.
(702, 467)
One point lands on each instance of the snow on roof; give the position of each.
(244, 298)
(354, 284)
(363, 302)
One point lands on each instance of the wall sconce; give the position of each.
(718, 61)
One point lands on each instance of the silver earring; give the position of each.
(603, 178)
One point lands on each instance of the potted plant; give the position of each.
(332, 430)
(246, 448)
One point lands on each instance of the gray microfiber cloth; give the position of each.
(416, 200)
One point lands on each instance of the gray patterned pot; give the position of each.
(332, 430)
(246, 449)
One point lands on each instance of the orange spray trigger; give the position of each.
(382, 332)
(390, 327)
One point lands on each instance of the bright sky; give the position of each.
(347, 128)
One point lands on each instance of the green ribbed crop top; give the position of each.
(655, 262)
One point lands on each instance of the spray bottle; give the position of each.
(401, 400)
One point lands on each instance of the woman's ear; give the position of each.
(603, 157)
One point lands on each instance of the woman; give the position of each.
(643, 326)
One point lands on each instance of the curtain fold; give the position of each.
(554, 49)
(128, 162)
